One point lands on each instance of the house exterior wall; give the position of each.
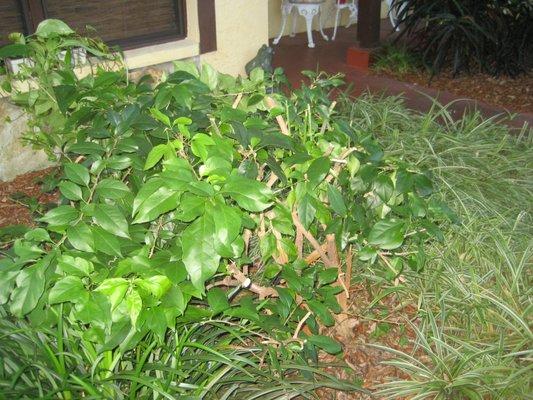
(274, 17)
(242, 28)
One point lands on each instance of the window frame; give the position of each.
(34, 11)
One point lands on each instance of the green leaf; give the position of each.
(150, 204)
(318, 170)
(249, 194)
(115, 289)
(158, 115)
(321, 312)
(70, 289)
(423, 185)
(218, 302)
(75, 265)
(306, 210)
(112, 189)
(325, 343)
(134, 305)
(199, 254)
(227, 226)
(106, 242)
(81, 237)
(50, 28)
(70, 190)
(336, 200)
(30, 287)
(77, 173)
(38, 235)
(353, 165)
(156, 154)
(187, 66)
(209, 76)
(387, 234)
(14, 50)
(157, 285)
(61, 215)
(383, 187)
(111, 219)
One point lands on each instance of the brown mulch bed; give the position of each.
(515, 95)
(386, 324)
(13, 211)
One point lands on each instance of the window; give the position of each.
(11, 19)
(128, 23)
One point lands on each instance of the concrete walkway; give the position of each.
(294, 56)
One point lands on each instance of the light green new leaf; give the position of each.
(157, 285)
(199, 254)
(387, 234)
(70, 289)
(112, 189)
(77, 173)
(111, 219)
(187, 66)
(50, 28)
(134, 304)
(156, 154)
(158, 115)
(209, 76)
(115, 290)
(249, 194)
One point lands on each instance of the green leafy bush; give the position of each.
(199, 206)
(493, 36)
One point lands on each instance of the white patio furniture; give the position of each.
(340, 5)
(308, 10)
(394, 11)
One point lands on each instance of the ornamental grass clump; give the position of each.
(205, 234)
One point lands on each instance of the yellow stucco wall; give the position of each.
(274, 17)
(242, 28)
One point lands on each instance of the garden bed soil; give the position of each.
(515, 95)
(13, 210)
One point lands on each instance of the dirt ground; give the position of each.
(515, 95)
(15, 195)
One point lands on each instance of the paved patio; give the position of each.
(294, 56)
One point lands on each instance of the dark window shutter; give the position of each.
(124, 22)
(11, 19)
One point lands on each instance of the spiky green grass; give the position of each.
(475, 339)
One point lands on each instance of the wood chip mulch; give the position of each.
(360, 331)
(13, 211)
(515, 95)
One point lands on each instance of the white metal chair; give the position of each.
(307, 9)
(341, 5)
(394, 11)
